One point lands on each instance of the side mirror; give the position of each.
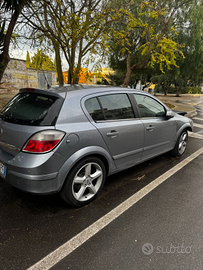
(169, 114)
(180, 113)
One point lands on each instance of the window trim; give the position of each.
(134, 110)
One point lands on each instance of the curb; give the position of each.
(190, 110)
(191, 114)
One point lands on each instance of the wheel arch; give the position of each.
(183, 128)
(98, 152)
(188, 128)
(175, 151)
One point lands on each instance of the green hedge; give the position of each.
(182, 90)
(194, 90)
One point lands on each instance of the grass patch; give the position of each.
(169, 105)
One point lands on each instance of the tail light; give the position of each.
(43, 141)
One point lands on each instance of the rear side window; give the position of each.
(32, 109)
(94, 109)
(116, 106)
(113, 107)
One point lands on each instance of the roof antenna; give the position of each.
(48, 85)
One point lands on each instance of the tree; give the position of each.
(145, 37)
(2, 35)
(163, 82)
(39, 34)
(11, 11)
(75, 27)
(41, 61)
(72, 26)
(189, 36)
(191, 67)
(28, 62)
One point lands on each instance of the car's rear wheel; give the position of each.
(84, 182)
(181, 144)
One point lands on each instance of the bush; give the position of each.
(171, 89)
(194, 90)
(184, 90)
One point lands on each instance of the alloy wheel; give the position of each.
(87, 181)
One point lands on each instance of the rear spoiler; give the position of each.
(41, 91)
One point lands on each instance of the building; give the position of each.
(84, 76)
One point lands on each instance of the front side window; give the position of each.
(149, 107)
(110, 107)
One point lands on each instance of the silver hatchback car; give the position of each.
(69, 139)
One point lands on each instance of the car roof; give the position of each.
(82, 88)
(79, 90)
(77, 87)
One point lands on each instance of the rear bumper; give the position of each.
(38, 174)
(38, 184)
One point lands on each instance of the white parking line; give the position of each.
(197, 125)
(195, 135)
(197, 118)
(196, 103)
(64, 250)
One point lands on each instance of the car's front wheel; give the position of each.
(84, 182)
(181, 144)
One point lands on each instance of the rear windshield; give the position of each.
(33, 109)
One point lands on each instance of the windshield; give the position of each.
(34, 109)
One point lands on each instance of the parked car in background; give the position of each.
(69, 139)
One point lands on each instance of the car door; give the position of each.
(123, 133)
(159, 132)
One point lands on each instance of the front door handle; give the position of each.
(112, 133)
(150, 128)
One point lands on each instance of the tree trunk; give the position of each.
(127, 78)
(177, 90)
(77, 74)
(128, 72)
(70, 74)
(165, 90)
(4, 57)
(72, 63)
(58, 63)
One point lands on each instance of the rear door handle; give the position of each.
(112, 134)
(150, 128)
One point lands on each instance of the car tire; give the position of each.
(181, 144)
(84, 182)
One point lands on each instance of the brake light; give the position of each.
(43, 141)
(30, 89)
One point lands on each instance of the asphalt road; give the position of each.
(157, 228)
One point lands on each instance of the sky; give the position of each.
(20, 53)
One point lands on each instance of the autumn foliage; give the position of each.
(84, 76)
